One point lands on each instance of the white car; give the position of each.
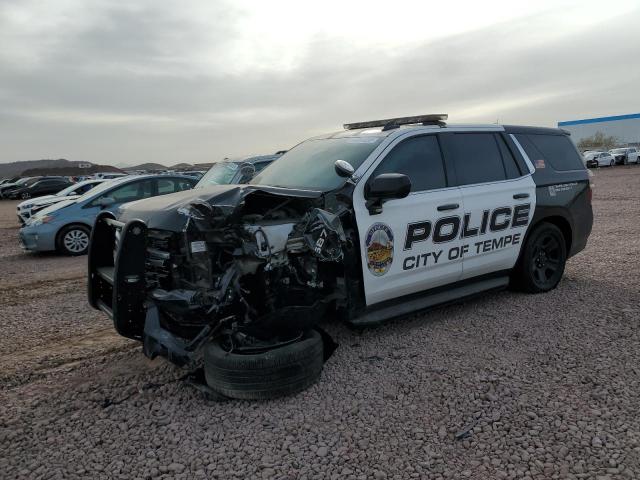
(624, 156)
(599, 159)
(33, 205)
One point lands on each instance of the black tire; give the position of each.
(25, 196)
(73, 240)
(543, 259)
(612, 163)
(274, 373)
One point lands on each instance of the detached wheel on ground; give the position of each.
(74, 240)
(260, 376)
(543, 260)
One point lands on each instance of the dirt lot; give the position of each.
(545, 386)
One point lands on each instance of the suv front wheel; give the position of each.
(543, 259)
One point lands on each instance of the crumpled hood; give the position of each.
(161, 212)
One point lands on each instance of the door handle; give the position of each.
(518, 196)
(448, 206)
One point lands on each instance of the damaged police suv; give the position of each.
(379, 220)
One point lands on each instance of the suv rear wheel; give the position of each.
(74, 240)
(543, 259)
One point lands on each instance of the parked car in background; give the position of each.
(109, 175)
(6, 181)
(66, 226)
(625, 155)
(9, 187)
(598, 159)
(236, 170)
(197, 174)
(39, 188)
(32, 206)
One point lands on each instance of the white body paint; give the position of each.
(422, 206)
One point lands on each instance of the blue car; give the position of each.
(66, 226)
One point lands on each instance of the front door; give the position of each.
(413, 244)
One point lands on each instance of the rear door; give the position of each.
(498, 197)
(406, 248)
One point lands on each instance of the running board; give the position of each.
(376, 315)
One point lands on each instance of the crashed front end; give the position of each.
(254, 266)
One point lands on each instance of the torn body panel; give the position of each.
(255, 265)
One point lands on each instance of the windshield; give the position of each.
(220, 173)
(618, 150)
(73, 188)
(310, 165)
(591, 154)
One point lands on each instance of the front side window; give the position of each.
(310, 164)
(420, 159)
(477, 158)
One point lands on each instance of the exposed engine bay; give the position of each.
(256, 268)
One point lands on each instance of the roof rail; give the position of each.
(389, 123)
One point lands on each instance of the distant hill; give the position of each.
(146, 166)
(181, 166)
(71, 171)
(178, 166)
(52, 167)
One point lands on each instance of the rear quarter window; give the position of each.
(554, 151)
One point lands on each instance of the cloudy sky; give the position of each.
(194, 81)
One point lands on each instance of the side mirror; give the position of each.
(105, 202)
(386, 186)
(343, 168)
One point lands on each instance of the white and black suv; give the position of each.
(379, 220)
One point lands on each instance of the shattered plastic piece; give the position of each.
(324, 235)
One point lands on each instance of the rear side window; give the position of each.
(420, 159)
(132, 191)
(171, 185)
(477, 158)
(556, 151)
(510, 165)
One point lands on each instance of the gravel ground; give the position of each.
(505, 386)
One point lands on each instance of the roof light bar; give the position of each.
(432, 119)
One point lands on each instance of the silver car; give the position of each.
(31, 206)
(66, 226)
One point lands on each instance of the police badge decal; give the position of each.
(379, 244)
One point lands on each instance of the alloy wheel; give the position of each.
(76, 241)
(546, 260)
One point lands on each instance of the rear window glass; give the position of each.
(556, 151)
